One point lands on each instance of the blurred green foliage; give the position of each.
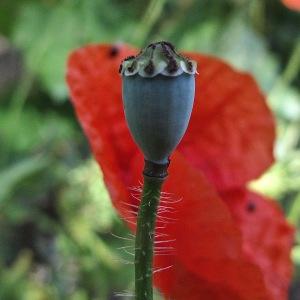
(56, 218)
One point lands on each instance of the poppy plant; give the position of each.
(158, 90)
(215, 239)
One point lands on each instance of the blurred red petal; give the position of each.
(95, 87)
(267, 238)
(209, 262)
(231, 132)
(189, 286)
(292, 4)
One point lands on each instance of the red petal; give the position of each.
(95, 87)
(231, 133)
(292, 4)
(267, 238)
(189, 286)
(209, 262)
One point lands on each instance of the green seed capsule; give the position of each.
(158, 96)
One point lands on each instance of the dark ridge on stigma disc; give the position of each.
(190, 66)
(170, 45)
(131, 68)
(149, 69)
(172, 66)
(152, 45)
(129, 57)
(166, 52)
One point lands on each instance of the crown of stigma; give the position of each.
(158, 58)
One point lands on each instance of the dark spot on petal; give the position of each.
(251, 207)
(114, 51)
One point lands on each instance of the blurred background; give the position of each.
(56, 218)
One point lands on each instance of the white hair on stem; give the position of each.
(125, 294)
(122, 238)
(162, 269)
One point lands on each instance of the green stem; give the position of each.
(145, 237)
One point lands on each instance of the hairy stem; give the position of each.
(145, 235)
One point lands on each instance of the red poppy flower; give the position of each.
(219, 241)
(292, 4)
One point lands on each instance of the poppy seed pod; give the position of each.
(158, 96)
